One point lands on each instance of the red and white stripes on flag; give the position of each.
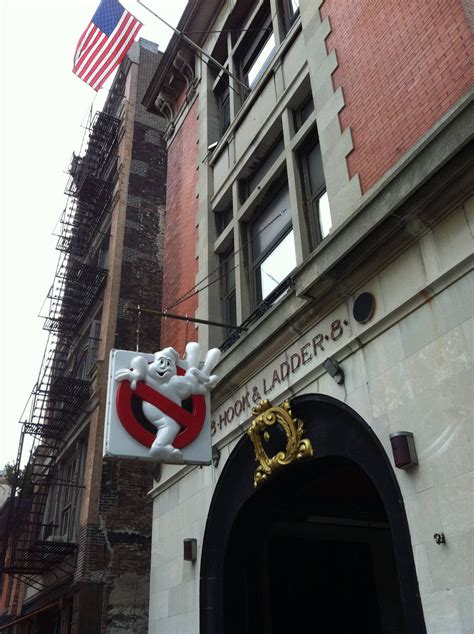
(104, 43)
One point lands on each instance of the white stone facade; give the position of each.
(407, 239)
(409, 368)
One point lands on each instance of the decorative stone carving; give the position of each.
(183, 64)
(164, 104)
(180, 78)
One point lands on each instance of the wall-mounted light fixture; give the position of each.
(156, 473)
(333, 368)
(210, 150)
(190, 549)
(216, 456)
(403, 448)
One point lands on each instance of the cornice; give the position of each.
(173, 71)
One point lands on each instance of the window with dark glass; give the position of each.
(291, 10)
(263, 166)
(82, 365)
(222, 219)
(62, 507)
(224, 107)
(303, 112)
(94, 341)
(68, 474)
(273, 244)
(316, 198)
(228, 288)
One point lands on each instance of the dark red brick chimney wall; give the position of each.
(180, 263)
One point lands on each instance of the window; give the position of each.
(303, 112)
(62, 507)
(101, 255)
(273, 244)
(316, 198)
(69, 474)
(222, 219)
(291, 10)
(264, 165)
(228, 288)
(94, 341)
(82, 365)
(223, 99)
(277, 265)
(104, 254)
(258, 55)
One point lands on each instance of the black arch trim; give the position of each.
(334, 429)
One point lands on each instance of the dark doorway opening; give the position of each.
(312, 551)
(322, 546)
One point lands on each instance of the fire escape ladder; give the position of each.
(75, 289)
(25, 553)
(87, 206)
(90, 186)
(61, 393)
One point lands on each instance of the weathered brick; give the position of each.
(179, 272)
(394, 59)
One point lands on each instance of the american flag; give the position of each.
(104, 43)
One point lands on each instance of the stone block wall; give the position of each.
(410, 368)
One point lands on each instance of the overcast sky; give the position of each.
(43, 108)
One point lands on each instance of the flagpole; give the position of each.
(196, 47)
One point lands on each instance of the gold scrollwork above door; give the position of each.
(297, 447)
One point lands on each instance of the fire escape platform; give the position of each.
(59, 397)
(38, 558)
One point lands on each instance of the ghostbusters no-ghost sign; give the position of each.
(158, 406)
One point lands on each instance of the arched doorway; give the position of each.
(322, 546)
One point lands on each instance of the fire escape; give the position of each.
(59, 397)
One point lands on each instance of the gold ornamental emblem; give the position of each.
(297, 447)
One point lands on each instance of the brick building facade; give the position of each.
(181, 232)
(80, 563)
(334, 215)
(424, 65)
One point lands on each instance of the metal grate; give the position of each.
(39, 557)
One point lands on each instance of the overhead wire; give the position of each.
(210, 61)
(195, 290)
(224, 31)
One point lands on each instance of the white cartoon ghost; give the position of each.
(161, 375)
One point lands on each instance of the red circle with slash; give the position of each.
(191, 422)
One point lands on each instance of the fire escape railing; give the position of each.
(59, 397)
(73, 293)
(87, 206)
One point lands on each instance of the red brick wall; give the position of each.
(180, 264)
(402, 65)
